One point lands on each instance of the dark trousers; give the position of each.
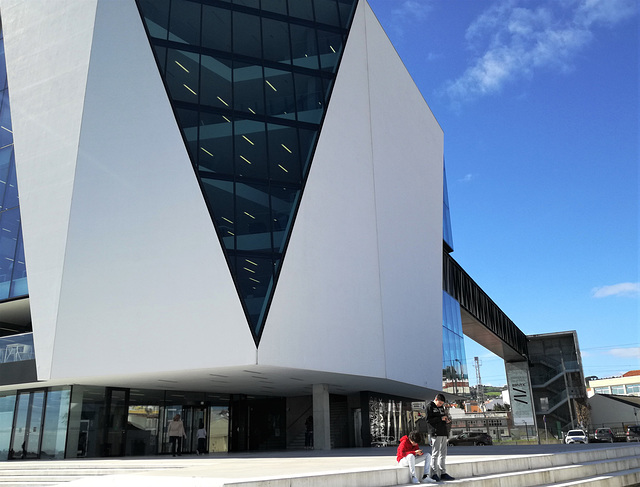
(173, 440)
(202, 445)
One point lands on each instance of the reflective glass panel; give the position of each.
(7, 406)
(156, 13)
(275, 41)
(56, 419)
(216, 28)
(184, 22)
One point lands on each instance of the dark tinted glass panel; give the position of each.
(216, 28)
(248, 88)
(253, 223)
(11, 191)
(302, 9)
(309, 98)
(249, 94)
(221, 197)
(346, 8)
(284, 154)
(329, 47)
(279, 93)
(327, 12)
(9, 230)
(156, 15)
(247, 39)
(275, 41)
(183, 75)
(248, 3)
(277, 6)
(184, 23)
(161, 57)
(6, 159)
(283, 200)
(216, 82)
(189, 122)
(307, 142)
(215, 145)
(304, 46)
(19, 276)
(250, 149)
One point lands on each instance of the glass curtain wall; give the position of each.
(455, 378)
(13, 273)
(249, 82)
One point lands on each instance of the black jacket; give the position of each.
(437, 427)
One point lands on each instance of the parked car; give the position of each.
(633, 433)
(576, 436)
(479, 439)
(604, 434)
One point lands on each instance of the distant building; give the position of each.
(498, 424)
(626, 385)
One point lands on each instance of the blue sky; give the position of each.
(538, 101)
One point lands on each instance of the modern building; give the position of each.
(234, 211)
(557, 381)
(626, 385)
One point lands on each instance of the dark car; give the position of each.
(633, 433)
(604, 434)
(479, 439)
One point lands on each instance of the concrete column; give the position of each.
(321, 417)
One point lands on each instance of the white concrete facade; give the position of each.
(128, 281)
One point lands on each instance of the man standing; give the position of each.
(438, 420)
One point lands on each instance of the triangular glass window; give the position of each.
(249, 82)
(13, 271)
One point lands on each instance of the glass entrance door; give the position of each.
(27, 428)
(193, 417)
(116, 422)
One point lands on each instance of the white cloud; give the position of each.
(467, 178)
(513, 39)
(408, 11)
(633, 352)
(631, 289)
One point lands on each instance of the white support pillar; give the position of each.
(321, 417)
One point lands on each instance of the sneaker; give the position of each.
(435, 477)
(414, 480)
(428, 480)
(446, 476)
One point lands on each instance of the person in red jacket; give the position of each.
(408, 450)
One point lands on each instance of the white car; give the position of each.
(576, 436)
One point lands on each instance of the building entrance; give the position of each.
(193, 418)
(27, 426)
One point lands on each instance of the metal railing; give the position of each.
(16, 348)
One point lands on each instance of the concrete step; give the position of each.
(625, 478)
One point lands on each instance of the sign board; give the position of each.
(418, 406)
(520, 393)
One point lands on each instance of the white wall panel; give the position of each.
(47, 46)
(361, 286)
(144, 277)
(326, 313)
(407, 160)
